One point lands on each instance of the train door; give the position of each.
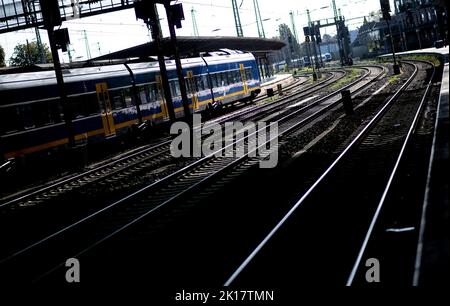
(244, 77)
(192, 90)
(105, 109)
(159, 87)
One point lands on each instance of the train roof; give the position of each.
(42, 78)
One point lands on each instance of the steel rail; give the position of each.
(218, 172)
(391, 179)
(113, 163)
(183, 170)
(356, 140)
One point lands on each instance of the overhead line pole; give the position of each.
(155, 28)
(179, 68)
(294, 30)
(237, 19)
(259, 22)
(386, 9)
(52, 18)
(194, 22)
(313, 40)
(338, 31)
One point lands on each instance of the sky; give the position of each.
(119, 30)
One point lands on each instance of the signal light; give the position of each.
(307, 31)
(141, 9)
(62, 39)
(50, 13)
(177, 13)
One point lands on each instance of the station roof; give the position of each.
(191, 46)
(188, 47)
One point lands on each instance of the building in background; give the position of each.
(416, 24)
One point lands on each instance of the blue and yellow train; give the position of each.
(103, 100)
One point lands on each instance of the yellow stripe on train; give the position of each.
(119, 126)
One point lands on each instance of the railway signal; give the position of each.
(146, 11)
(386, 9)
(175, 15)
(52, 18)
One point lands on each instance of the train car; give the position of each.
(107, 101)
(327, 57)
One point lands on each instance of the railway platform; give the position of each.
(285, 79)
(429, 51)
(432, 260)
(282, 78)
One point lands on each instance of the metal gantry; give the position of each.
(294, 29)
(22, 14)
(237, 19)
(86, 42)
(194, 22)
(259, 23)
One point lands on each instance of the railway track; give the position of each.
(116, 172)
(145, 158)
(133, 159)
(324, 236)
(66, 201)
(132, 209)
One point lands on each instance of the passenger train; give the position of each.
(105, 100)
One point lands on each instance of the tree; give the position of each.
(2, 57)
(292, 46)
(28, 54)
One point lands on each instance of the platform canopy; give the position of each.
(192, 46)
(188, 46)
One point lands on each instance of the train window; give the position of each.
(213, 80)
(235, 76)
(191, 85)
(219, 79)
(117, 98)
(248, 74)
(238, 76)
(199, 82)
(77, 106)
(143, 94)
(40, 114)
(187, 82)
(194, 84)
(128, 97)
(225, 78)
(10, 120)
(231, 77)
(92, 106)
(172, 88)
(27, 116)
(46, 112)
(54, 109)
(153, 93)
(205, 81)
(175, 89)
(83, 105)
